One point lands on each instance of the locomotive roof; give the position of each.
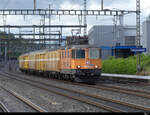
(61, 48)
(82, 46)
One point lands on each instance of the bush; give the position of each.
(125, 65)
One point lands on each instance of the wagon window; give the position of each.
(62, 54)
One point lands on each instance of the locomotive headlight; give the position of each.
(96, 66)
(78, 66)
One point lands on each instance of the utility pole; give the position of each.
(43, 24)
(138, 36)
(49, 21)
(102, 4)
(85, 19)
(4, 23)
(121, 23)
(115, 29)
(34, 4)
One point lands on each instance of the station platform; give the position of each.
(127, 77)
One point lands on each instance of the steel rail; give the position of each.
(112, 88)
(120, 90)
(116, 89)
(98, 97)
(127, 91)
(26, 101)
(4, 108)
(84, 100)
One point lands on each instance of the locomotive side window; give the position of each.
(94, 53)
(80, 53)
(73, 54)
(65, 54)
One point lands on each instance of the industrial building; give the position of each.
(145, 41)
(114, 40)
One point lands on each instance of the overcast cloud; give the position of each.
(73, 4)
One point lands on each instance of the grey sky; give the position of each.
(74, 4)
(56, 3)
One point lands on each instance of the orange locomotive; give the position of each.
(81, 63)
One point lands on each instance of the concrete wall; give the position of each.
(105, 35)
(102, 35)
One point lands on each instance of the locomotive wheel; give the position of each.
(66, 77)
(69, 77)
(63, 77)
(73, 77)
(52, 76)
(56, 76)
(59, 77)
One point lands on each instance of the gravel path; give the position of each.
(48, 101)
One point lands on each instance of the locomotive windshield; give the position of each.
(78, 53)
(94, 53)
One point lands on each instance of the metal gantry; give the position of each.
(49, 12)
(28, 39)
(64, 12)
(41, 26)
(43, 33)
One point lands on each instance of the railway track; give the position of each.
(98, 101)
(118, 89)
(24, 100)
(139, 93)
(3, 108)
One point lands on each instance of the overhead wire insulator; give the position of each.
(80, 22)
(24, 17)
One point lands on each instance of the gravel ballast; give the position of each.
(12, 103)
(48, 101)
(55, 103)
(110, 94)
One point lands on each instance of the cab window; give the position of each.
(78, 53)
(94, 53)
